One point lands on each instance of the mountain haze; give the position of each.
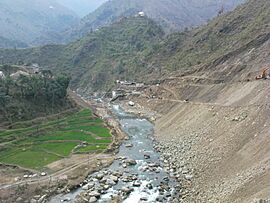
(81, 7)
(113, 52)
(32, 21)
(173, 15)
(4, 42)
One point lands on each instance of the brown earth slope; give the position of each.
(224, 143)
(220, 137)
(215, 121)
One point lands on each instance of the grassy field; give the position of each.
(36, 146)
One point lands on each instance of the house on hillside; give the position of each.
(141, 14)
(2, 75)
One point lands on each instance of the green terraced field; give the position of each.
(91, 148)
(36, 146)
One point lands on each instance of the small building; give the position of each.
(2, 75)
(141, 14)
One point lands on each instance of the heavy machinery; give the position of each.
(265, 73)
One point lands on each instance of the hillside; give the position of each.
(26, 94)
(115, 52)
(222, 40)
(32, 20)
(171, 15)
(212, 115)
(136, 48)
(4, 42)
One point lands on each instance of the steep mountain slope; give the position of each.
(171, 14)
(239, 32)
(26, 21)
(81, 7)
(214, 115)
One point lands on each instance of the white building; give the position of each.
(141, 14)
(2, 75)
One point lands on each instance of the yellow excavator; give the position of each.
(265, 73)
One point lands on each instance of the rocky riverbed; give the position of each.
(177, 156)
(138, 173)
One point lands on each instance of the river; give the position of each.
(136, 175)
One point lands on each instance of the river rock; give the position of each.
(114, 178)
(110, 182)
(127, 190)
(143, 199)
(42, 199)
(131, 103)
(99, 176)
(134, 177)
(149, 186)
(106, 187)
(92, 200)
(88, 186)
(129, 145)
(131, 162)
(167, 194)
(159, 198)
(19, 199)
(166, 179)
(67, 199)
(94, 194)
(152, 119)
(188, 177)
(146, 156)
(136, 184)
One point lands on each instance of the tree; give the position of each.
(4, 99)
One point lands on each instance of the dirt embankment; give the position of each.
(216, 136)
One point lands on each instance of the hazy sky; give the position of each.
(82, 7)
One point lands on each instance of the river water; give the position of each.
(150, 183)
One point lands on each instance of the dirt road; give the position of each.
(57, 175)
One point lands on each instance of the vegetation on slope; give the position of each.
(245, 28)
(135, 48)
(28, 96)
(115, 52)
(170, 14)
(35, 146)
(5, 43)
